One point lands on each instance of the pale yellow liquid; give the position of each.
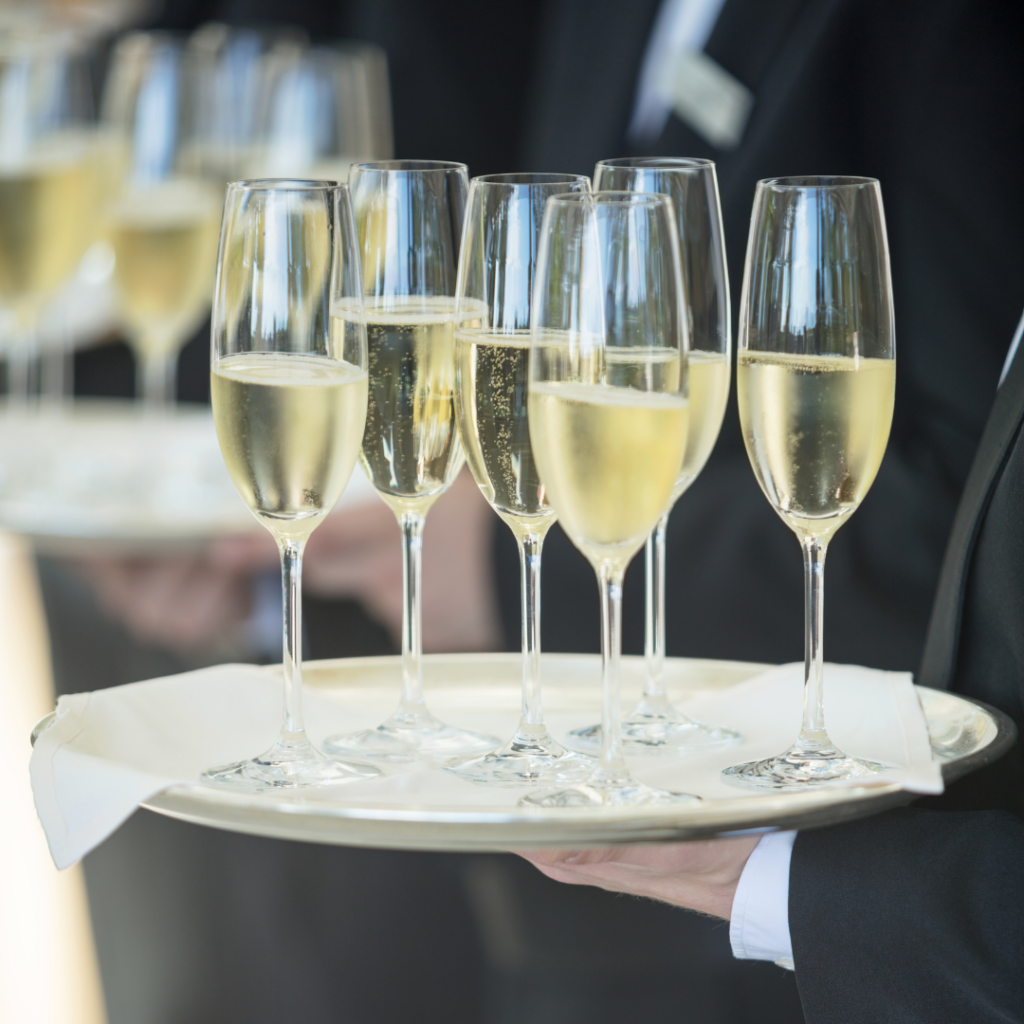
(289, 429)
(492, 374)
(655, 369)
(815, 428)
(411, 449)
(709, 394)
(165, 246)
(609, 458)
(47, 218)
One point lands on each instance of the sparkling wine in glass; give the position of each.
(492, 357)
(49, 180)
(816, 378)
(655, 725)
(289, 387)
(608, 407)
(409, 215)
(164, 217)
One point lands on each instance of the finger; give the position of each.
(549, 857)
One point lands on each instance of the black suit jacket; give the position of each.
(894, 90)
(918, 915)
(899, 918)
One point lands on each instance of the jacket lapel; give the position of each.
(1004, 423)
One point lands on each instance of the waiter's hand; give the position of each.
(700, 876)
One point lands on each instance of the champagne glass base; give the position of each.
(605, 789)
(289, 766)
(526, 760)
(406, 737)
(799, 768)
(657, 732)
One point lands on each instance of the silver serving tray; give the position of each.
(965, 735)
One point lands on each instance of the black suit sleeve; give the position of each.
(911, 917)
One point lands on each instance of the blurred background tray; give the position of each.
(111, 474)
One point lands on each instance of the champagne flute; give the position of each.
(409, 215)
(227, 69)
(492, 355)
(323, 109)
(48, 180)
(816, 380)
(289, 403)
(608, 414)
(163, 221)
(655, 726)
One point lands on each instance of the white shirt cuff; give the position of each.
(759, 929)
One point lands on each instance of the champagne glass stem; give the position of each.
(156, 377)
(294, 731)
(530, 545)
(812, 731)
(654, 617)
(412, 613)
(612, 764)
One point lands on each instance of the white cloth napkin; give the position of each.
(111, 750)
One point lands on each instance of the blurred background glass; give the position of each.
(321, 110)
(162, 218)
(50, 175)
(181, 114)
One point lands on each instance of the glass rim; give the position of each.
(658, 163)
(614, 197)
(285, 185)
(410, 166)
(528, 178)
(797, 183)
